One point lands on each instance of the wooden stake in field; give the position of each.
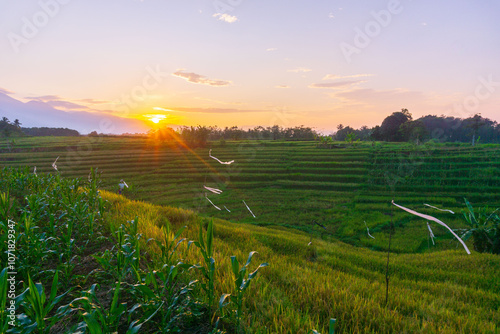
(387, 267)
(34, 171)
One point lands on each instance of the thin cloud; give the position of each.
(92, 101)
(58, 102)
(225, 17)
(300, 70)
(336, 85)
(336, 77)
(200, 79)
(371, 96)
(282, 86)
(6, 91)
(271, 49)
(213, 110)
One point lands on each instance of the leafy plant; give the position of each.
(96, 318)
(241, 284)
(483, 227)
(37, 306)
(208, 269)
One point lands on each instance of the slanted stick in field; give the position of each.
(434, 220)
(430, 233)
(368, 230)
(215, 206)
(430, 206)
(34, 171)
(249, 209)
(226, 209)
(222, 162)
(54, 164)
(214, 190)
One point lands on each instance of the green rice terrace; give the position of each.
(321, 221)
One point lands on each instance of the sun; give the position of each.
(156, 118)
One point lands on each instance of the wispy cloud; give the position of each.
(58, 102)
(370, 97)
(93, 101)
(6, 91)
(300, 70)
(218, 101)
(271, 49)
(336, 85)
(336, 76)
(282, 86)
(225, 17)
(211, 110)
(200, 79)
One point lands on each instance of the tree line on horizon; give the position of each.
(14, 129)
(397, 127)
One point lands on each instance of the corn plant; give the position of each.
(208, 268)
(160, 290)
(241, 284)
(168, 246)
(4, 288)
(96, 318)
(37, 305)
(132, 245)
(5, 206)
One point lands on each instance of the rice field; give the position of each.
(295, 189)
(290, 184)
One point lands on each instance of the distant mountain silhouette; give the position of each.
(40, 114)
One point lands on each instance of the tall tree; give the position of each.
(475, 123)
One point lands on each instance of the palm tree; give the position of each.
(17, 123)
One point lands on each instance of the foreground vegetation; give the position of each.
(98, 272)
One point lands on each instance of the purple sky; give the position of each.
(247, 63)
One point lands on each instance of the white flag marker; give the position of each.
(439, 208)
(224, 163)
(430, 233)
(215, 206)
(214, 190)
(54, 164)
(368, 230)
(435, 220)
(249, 209)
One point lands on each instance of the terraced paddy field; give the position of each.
(290, 184)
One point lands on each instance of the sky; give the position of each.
(247, 63)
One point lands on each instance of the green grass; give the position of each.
(289, 183)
